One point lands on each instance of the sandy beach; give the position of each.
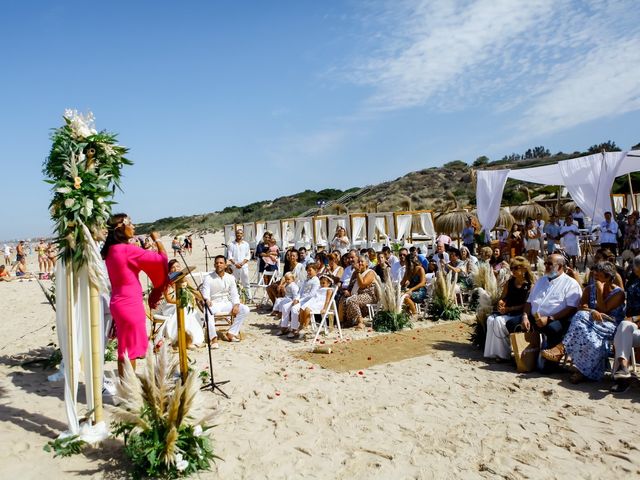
(438, 411)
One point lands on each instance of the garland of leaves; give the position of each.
(83, 168)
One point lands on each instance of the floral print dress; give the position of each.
(587, 341)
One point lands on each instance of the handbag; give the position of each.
(526, 347)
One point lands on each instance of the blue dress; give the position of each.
(588, 342)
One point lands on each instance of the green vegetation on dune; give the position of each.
(423, 189)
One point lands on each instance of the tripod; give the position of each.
(212, 383)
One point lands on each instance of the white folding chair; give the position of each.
(262, 285)
(333, 309)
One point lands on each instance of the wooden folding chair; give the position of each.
(333, 309)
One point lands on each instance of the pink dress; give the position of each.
(124, 263)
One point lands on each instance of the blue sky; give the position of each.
(224, 103)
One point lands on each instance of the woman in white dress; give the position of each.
(532, 242)
(340, 241)
(569, 239)
(169, 329)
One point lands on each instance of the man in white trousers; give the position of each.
(239, 253)
(221, 294)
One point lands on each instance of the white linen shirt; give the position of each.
(346, 276)
(299, 273)
(548, 297)
(397, 272)
(308, 290)
(608, 232)
(239, 252)
(220, 288)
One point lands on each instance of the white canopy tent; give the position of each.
(358, 230)
(261, 227)
(303, 235)
(379, 232)
(276, 229)
(320, 233)
(250, 236)
(229, 233)
(587, 179)
(288, 233)
(338, 220)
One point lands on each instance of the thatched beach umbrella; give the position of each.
(505, 219)
(568, 207)
(529, 209)
(453, 221)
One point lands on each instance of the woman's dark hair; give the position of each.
(608, 269)
(172, 262)
(115, 233)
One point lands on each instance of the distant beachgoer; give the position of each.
(7, 254)
(124, 262)
(188, 244)
(5, 276)
(20, 253)
(21, 269)
(41, 251)
(175, 246)
(52, 254)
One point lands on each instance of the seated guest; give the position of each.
(320, 262)
(169, 329)
(445, 240)
(485, 255)
(603, 255)
(334, 270)
(388, 254)
(291, 290)
(414, 284)
(497, 261)
(382, 268)
(441, 256)
(318, 304)
(276, 290)
(291, 311)
(373, 257)
(627, 336)
(456, 265)
(398, 268)
(304, 257)
(553, 300)
(361, 292)
(468, 258)
(589, 337)
(340, 241)
(510, 308)
(347, 274)
(220, 293)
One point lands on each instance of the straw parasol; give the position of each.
(568, 207)
(505, 220)
(529, 209)
(453, 221)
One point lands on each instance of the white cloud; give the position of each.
(558, 63)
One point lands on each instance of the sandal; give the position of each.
(554, 354)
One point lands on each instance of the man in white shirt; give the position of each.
(398, 268)
(441, 256)
(304, 257)
(239, 253)
(388, 254)
(553, 300)
(221, 294)
(345, 280)
(609, 233)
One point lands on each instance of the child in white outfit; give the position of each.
(291, 290)
(291, 310)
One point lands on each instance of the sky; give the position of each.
(225, 103)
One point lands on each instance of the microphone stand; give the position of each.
(207, 256)
(212, 384)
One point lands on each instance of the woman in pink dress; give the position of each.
(124, 262)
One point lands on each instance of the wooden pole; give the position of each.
(97, 356)
(182, 334)
(633, 197)
(71, 361)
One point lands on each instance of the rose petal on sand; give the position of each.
(360, 372)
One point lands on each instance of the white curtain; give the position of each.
(321, 231)
(489, 188)
(274, 227)
(403, 227)
(589, 180)
(260, 229)
(288, 231)
(380, 230)
(426, 225)
(229, 233)
(359, 231)
(618, 203)
(250, 234)
(303, 232)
